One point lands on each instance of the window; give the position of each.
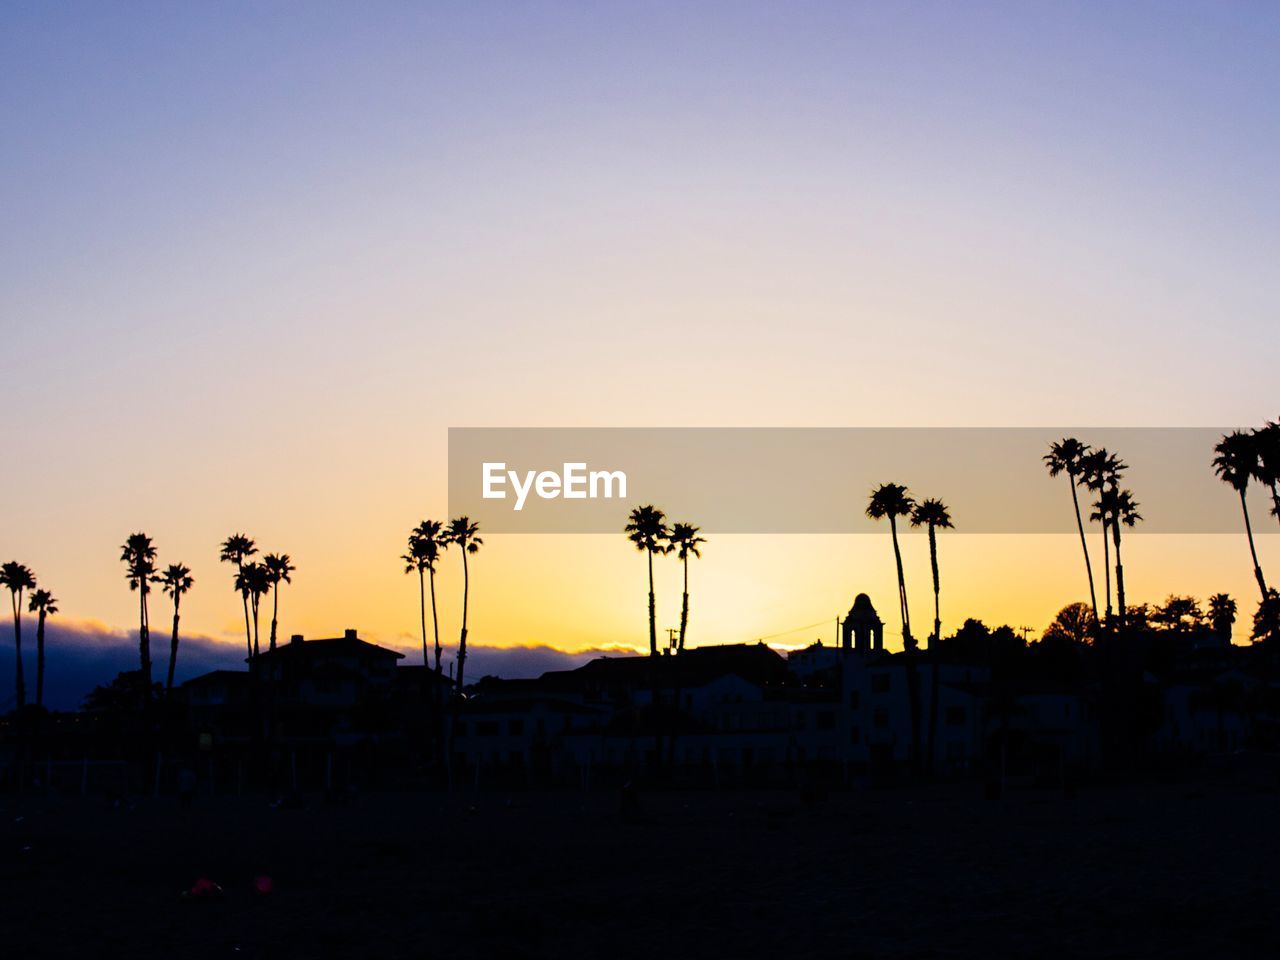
(957, 716)
(826, 720)
(853, 699)
(880, 683)
(854, 736)
(515, 727)
(881, 717)
(486, 728)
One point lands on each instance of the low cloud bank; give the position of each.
(531, 661)
(80, 655)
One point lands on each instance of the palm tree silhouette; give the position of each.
(1267, 469)
(1067, 456)
(1222, 615)
(1235, 462)
(462, 531)
(685, 540)
(1101, 470)
(426, 540)
(933, 515)
(278, 567)
(17, 577)
(647, 529)
(175, 581)
(44, 604)
(236, 549)
(253, 581)
(892, 500)
(1116, 508)
(139, 557)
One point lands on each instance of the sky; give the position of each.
(256, 259)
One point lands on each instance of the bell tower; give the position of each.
(863, 630)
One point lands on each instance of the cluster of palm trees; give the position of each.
(890, 501)
(647, 528)
(1241, 457)
(1100, 472)
(254, 580)
(138, 554)
(19, 579)
(427, 541)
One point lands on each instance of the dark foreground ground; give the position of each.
(1172, 871)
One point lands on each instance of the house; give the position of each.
(302, 690)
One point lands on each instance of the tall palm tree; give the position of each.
(278, 567)
(426, 541)
(892, 500)
(1117, 508)
(237, 549)
(1235, 462)
(933, 514)
(1067, 456)
(139, 557)
(254, 582)
(647, 529)
(175, 581)
(17, 578)
(1102, 470)
(1267, 469)
(44, 604)
(685, 540)
(462, 531)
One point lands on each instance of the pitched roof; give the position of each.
(329, 647)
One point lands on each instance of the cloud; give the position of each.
(532, 660)
(81, 654)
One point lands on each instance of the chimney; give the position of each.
(349, 634)
(296, 638)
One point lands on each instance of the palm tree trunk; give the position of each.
(653, 667)
(248, 636)
(684, 607)
(256, 648)
(653, 612)
(1253, 551)
(933, 561)
(462, 637)
(907, 641)
(40, 660)
(435, 623)
(422, 613)
(908, 649)
(275, 612)
(173, 648)
(934, 640)
(1106, 562)
(1084, 545)
(144, 637)
(1120, 609)
(20, 685)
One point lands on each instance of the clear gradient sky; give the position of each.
(256, 259)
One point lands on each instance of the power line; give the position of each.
(809, 626)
